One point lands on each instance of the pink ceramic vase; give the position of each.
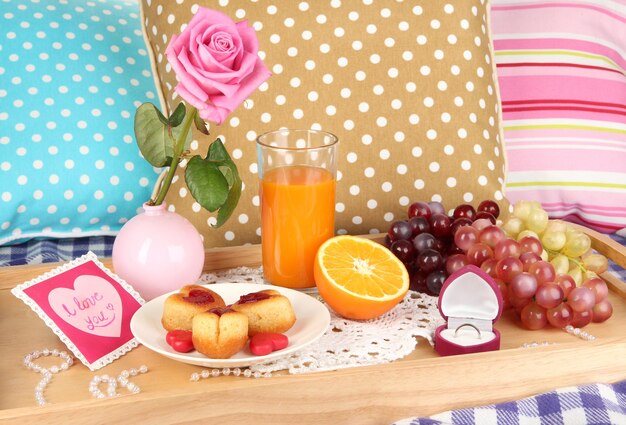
(158, 251)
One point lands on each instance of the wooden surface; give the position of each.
(421, 384)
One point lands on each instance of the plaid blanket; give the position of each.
(48, 251)
(596, 404)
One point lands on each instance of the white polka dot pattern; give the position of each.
(408, 89)
(71, 76)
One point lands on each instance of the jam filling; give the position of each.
(220, 310)
(253, 297)
(199, 296)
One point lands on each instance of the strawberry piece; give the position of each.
(180, 340)
(264, 343)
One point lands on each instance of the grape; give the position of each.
(566, 283)
(489, 206)
(491, 235)
(516, 302)
(596, 263)
(528, 259)
(458, 223)
(556, 226)
(483, 215)
(435, 281)
(533, 316)
(464, 211)
(507, 248)
(400, 230)
(560, 264)
(465, 237)
(522, 210)
(404, 250)
(489, 267)
(439, 225)
(549, 295)
(418, 282)
(598, 286)
(419, 209)
(509, 267)
(553, 241)
(504, 291)
(576, 274)
(543, 271)
(577, 244)
(602, 311)
(419, 225)
(581, 298)
(440, 246)
(523, 285)
(560, 316)
(428, 260)
(537, 220)
(478, 253)
(525, 233)
(580, 319)
(387, 241)
(423, 241)
(436, 207)
(530, 244)
(481, 223)
(513, 226)
(455, 262)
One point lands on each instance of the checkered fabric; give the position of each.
(596, 404)
(46, 251)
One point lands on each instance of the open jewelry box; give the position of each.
(471, 303)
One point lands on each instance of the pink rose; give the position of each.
(216, 63)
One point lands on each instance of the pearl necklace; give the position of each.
(47, 373)
(213, 373)
(112, 383)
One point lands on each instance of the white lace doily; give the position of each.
(350, 343)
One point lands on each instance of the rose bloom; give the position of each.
(216, 63)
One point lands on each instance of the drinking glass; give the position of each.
(297, 171)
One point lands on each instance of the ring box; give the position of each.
(470, 302)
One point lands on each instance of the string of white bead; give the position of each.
(214, 373)
(579, 333)
(536, 344)
(47, 373)
(112, 382)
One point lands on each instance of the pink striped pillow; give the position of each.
(562, 75)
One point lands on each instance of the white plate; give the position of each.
(312, 320)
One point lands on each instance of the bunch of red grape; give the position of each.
(434, 245)
(426, 242)
(531, 285)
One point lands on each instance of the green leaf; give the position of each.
(155, 138)
(159, 114)
(231, 201)
(200, 124)
(207, 184)
(217, 151)
(177, 117)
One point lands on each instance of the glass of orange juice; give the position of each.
(297, 171)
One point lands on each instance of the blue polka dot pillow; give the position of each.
(72, 73)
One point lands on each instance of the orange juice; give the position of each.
(297, 216)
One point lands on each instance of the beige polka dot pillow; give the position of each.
(408, 87)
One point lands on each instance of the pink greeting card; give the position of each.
(87, 306)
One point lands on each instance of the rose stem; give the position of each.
(179, 147)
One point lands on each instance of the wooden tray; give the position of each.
(421, 384)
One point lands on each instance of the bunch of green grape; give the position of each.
(567, 248)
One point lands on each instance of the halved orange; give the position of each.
(359, 278)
